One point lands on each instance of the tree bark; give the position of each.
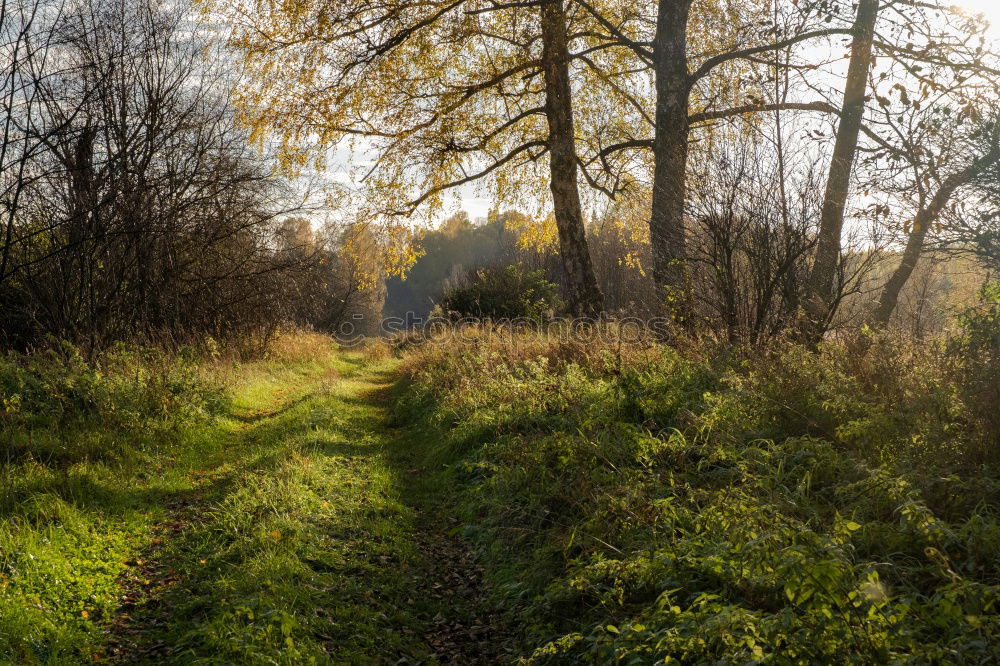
(889, 297)
(585, 298)
(670, 152)
(819, 286)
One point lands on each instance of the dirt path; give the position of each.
(469, 632)
(320, 536)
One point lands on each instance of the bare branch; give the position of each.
(715, 61)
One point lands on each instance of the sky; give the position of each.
(990, 8)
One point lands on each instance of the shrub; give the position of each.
(503, 292)
(975, 360)
(124, 389)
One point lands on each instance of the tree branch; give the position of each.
(636, 47)
(715, 61)
(498, 6)
(706, 116)
(414, 204)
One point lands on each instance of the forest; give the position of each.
(499, 332)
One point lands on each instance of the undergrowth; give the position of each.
(639, 504)
(84, 443)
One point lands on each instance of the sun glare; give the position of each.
(989, 9)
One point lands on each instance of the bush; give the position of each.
(125, 389)
(975, 359)
(505, 292)
(644, 504)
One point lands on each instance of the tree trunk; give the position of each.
(670, 152)
(585, 298)
(819, 286)
(889, 296)
(915, 243)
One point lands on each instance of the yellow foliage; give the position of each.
(456, 99)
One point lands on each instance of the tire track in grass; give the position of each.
(146, 580)
(459, 624)
(315, 541)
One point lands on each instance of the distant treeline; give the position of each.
(750, 270)
(454, 252)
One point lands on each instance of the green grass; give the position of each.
(275, 532)
(629, 504)
(646, 504)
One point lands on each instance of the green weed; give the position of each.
(643, 504)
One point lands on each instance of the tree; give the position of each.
(439, 94)
(932, 204)
(146, 210)
(817, 303)
(585, 296)
(27, 43)
(917, 147)
(336, 281)
(681, 106)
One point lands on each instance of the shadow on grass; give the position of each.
(285, 564)
(259, 416)
(323, 539)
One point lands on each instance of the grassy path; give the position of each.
(322, 544)
(302, 529)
